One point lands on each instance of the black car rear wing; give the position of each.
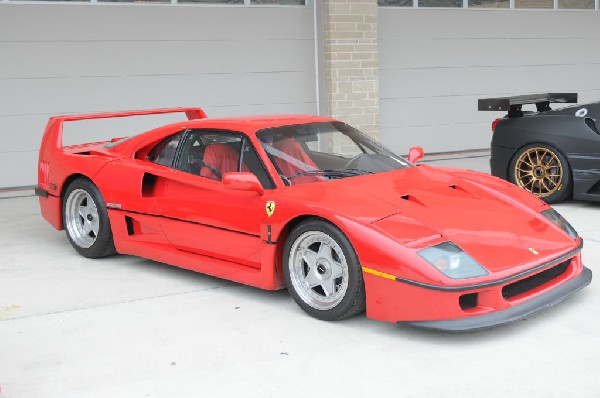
(514, 104)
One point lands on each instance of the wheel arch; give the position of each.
(289, 226)
(353, 301)
(69, 180)
(283, 235)
(557, 131)
(107, 248)
(61, 198)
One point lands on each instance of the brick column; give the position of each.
(351, 66)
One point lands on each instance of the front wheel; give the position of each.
(542, 170)
(85, 220)
(322, 271)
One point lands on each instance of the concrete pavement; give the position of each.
(129, 327)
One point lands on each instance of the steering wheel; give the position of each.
(212, 168)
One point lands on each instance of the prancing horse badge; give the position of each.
(270, 207)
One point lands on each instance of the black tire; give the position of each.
(348, 294)
(550, 177)
(91, 236)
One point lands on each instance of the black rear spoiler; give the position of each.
(514, 104)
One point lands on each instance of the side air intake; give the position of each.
(592, 125)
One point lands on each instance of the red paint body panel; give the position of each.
(149, 242)
(222, 228)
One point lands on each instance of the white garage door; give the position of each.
(64, 58)
(435, 64)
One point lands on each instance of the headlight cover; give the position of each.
(560, 222)
(452, 261)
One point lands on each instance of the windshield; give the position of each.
(313, 152)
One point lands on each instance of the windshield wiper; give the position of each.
(335, 173)
(359, 171)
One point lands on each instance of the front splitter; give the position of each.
(512, 314)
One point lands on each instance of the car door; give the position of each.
(198, 214)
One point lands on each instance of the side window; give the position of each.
(164, 153)
(211, 153)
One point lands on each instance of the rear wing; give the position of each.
(52, 142)
(514, 104)
(53, 133)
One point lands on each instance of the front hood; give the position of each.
(495, 222)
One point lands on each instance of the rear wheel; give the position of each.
(85, 220)
(542, 170)
(322, 271)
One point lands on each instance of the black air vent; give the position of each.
(532, 282)
(458, 188)
(468, 301)
(412, 198)
(148, 184)
(595, 189)
(129, 223)
(590, 123)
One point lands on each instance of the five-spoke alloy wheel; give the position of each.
(81, 218)
(85, 220)
(322, 271)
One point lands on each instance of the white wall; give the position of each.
(64, 58)
(435, 64)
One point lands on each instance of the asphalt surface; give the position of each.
(129, 327)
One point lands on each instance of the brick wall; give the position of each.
(351, 63)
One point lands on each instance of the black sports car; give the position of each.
(551, 153)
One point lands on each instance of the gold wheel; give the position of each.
(539, 171)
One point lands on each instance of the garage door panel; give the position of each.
(130, 58)
(115, 22)
(436, 64)
(480, 82)
(438, 138)
(485, 24)
(401, 53)
(18, 168)
(427, 111)
(103, 94)
(83, 58)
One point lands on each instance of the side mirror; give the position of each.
(242, 182)
(415, 153)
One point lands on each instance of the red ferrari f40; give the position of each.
(312, 204)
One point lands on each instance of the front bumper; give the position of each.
(514, 313)
(474, 305)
